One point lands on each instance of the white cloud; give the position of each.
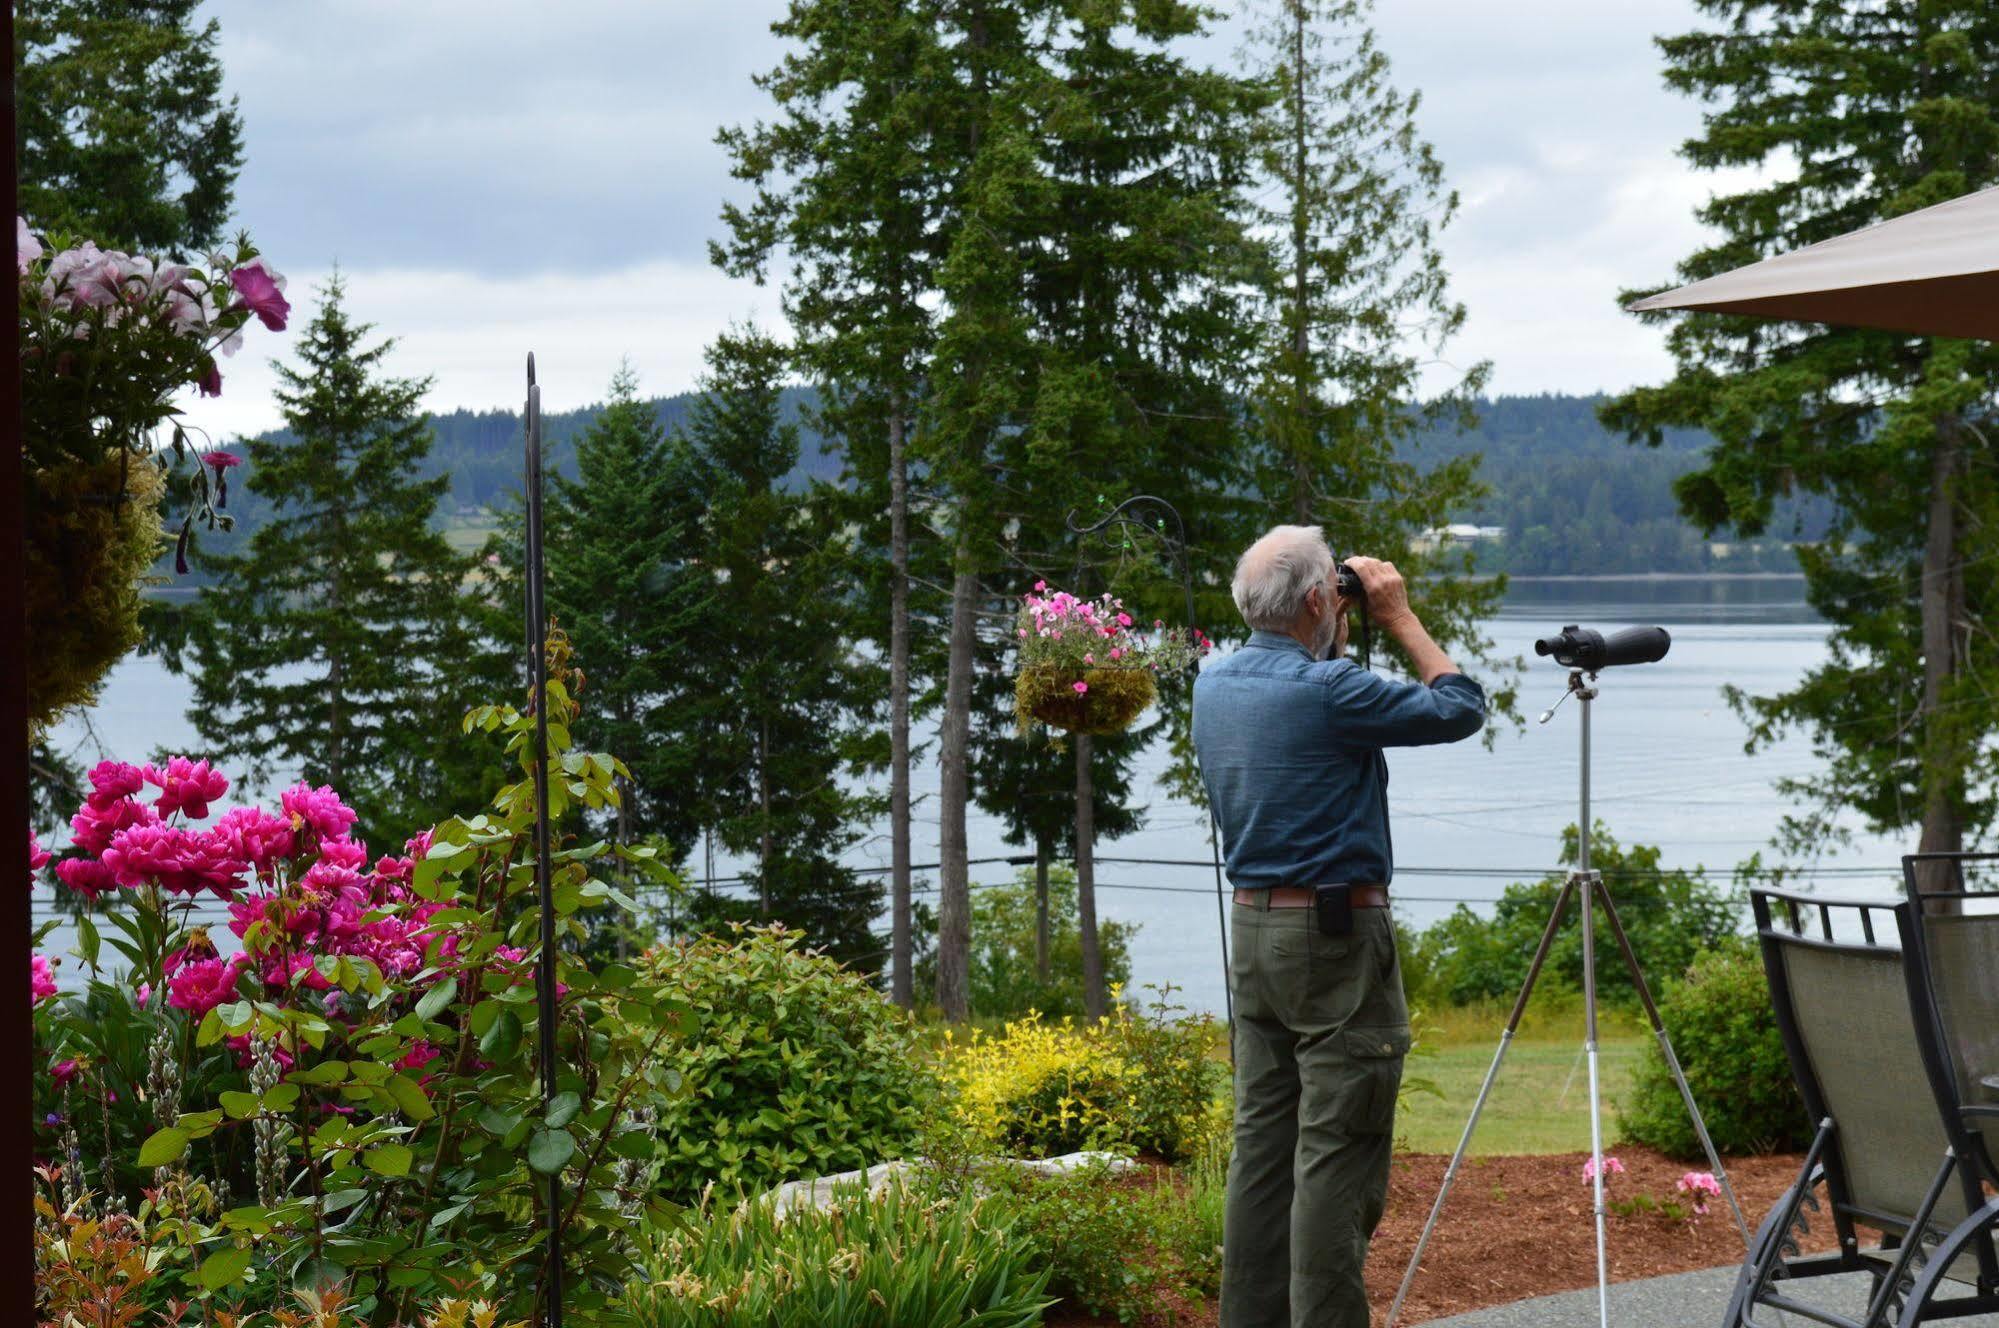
(472, 334)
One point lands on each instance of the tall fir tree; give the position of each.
(794, 704)
(1854, 114)
(1358, 305)
(623, 584)
(342, 645)
(123, 134)
(847, 182)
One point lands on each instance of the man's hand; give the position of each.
(1387, 596)
(1388, 606)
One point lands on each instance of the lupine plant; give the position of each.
(349, 1098)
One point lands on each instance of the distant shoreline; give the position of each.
(1652, 576)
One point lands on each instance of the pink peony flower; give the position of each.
(349, 854)
(200, 986)
(113, 781)
(92, 828)
(262, 288)
(257, 837)
(177, 860)
(87, 876)
(41, 979)
(27, 249)
(38, 857)
(320, 808)
(186, 786)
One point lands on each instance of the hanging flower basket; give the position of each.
(1085, 668)
(108, 341)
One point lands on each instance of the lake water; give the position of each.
(1669, 770)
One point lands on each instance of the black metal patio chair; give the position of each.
(1860, 1028)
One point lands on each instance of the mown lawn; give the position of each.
(1539, 1105)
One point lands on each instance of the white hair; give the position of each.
(1274, 575)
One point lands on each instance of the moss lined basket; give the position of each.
(1111, 698)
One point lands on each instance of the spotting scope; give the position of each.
(1583, 648)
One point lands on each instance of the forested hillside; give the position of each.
(1573, 499)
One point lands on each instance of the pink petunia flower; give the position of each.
(262, 288)
(187, 787)
(1081, 687)
(210, 385)
(41, 979)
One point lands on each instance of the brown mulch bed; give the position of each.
(1517, 1227)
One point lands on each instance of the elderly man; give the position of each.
(1290, 738)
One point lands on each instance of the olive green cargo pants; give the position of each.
(1321, 1032)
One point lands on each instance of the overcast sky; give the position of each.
(514, 175)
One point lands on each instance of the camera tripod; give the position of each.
(1586, 886)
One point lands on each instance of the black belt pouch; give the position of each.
(1334, 905)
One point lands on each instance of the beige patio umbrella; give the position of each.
(1933, 273)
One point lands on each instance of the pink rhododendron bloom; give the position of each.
(38, 857)
(262, 288)
(257, 837)
(202, 985)
(87, 876)
(1611, 1167)
(41, 979)
(186, 786)
(26, 247)
(319, 808)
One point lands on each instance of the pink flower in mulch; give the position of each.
(1699, 1186)
(111, 781)
(186, 786)
(203, 984)
(41, 979)
(1611, 1167)
(318, 808)
(38, 857)
(63, 1071)
(87, 876)
(257, 837)
(1081, 687)
(262, 288)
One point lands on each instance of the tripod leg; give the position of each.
(1222, 914)
(1478, 1103)
(1595, 1103)
(1672, 1060)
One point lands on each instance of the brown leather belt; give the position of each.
(1300, 896)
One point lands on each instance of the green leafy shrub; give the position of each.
(1130, 1082)
(1187, 1211)
(895, 1260)
(1670, 917)
(796, 1066)
(1106, 1243)
(1718, 1014)
(1006, 984)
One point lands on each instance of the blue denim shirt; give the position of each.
(1290, 753)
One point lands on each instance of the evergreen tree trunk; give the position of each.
(902, 983)
(1041, 907)
(763, 807)
(1096, 1001)
(1301, 261)
(954, 901)
(1943, 620)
